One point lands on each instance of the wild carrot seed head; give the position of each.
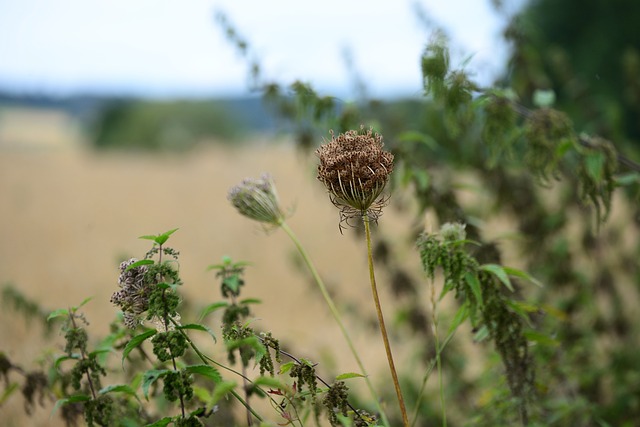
(355, 169)
(257, 199)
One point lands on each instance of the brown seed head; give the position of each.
(355, 169)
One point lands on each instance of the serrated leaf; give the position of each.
(212, 307)
(461, 316)
(286, 367)
(475, 286)
(119, 388)
(139, 263)
(499, 272)
(150, 377)
(136, 341)
(206, 371)
(523, 275)
(161, 422)
(198, 327)
(348, 375)
(58, 313)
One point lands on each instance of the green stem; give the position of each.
(336, 316)
(434, 317)
(383, 329)
(432, 365)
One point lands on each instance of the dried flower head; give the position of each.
(355, 169)
(135, 295)
(133, 298)
(257, 199)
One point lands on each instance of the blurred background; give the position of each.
(120, 118)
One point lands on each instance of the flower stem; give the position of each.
(434, 305)
(383, 329)
(336, 315)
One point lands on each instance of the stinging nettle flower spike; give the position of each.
(355, 169)
(257, 199)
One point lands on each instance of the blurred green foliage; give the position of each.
(165, 125)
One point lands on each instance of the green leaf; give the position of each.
(233, 283)
(136, 341)
(206, 371)
(119, 388)
(161, 422)
(522, 275)
(150, 377)
(627, 179)
(252, 342)
(139, 263)
(220, 391)
(286, 367)
(201, 393)
(212, 307)
(540, 338)
(160, 239)
(481, 334)
(499, 272)
(461, 316)
(475, 286)
(348, 375)
(71, 399)
(270, 382)
(594, 164)
(86, 300)
(58, 313)
(198, 327)
(251, 301)
(9, 390)
(59, 360)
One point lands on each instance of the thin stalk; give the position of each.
(425, 377)
(383, 329)
(336, 316)
(434, 317)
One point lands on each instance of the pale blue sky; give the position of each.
(175, 48)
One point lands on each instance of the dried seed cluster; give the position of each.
(355, 169)
(133, 298)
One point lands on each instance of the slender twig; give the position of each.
(336, 316)
(383, 329)
(432, 364)
(434, 317)
(72, 314)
